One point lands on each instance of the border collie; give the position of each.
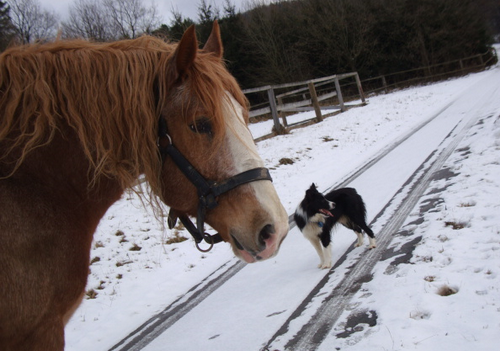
(317, 214)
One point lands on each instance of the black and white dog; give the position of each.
(317, 214)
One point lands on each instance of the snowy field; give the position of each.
(137, 271)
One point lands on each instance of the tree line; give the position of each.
(284, 40)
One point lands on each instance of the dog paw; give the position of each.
(373, 244)
(325, 266)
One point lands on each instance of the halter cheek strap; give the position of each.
(208, 190)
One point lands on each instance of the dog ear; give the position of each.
(309, 194)
(311, 191)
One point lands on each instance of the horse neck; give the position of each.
(59, 173)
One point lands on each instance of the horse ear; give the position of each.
(214, 42)
(186, 50)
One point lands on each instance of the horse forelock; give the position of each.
(210, 82)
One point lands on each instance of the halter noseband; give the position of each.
(208, 190)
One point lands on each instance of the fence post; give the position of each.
(315, 102)
(339, 94)
(384, 83)
(274, 111)
(360, 88)
(281, 113)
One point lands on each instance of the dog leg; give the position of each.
(326, 262)
(360, 239)
(319, 249)
(371, 236)
(373, 243)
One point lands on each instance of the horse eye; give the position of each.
(202, 126)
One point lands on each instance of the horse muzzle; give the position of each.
(266, 245)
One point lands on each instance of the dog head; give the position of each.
(314, 203)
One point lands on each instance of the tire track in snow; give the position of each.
(156, 325)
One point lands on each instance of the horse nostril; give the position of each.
(265, 234)
(237, 243)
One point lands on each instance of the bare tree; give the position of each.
(132, 18)
(229, 8)
(31, 22)
(271, 30)
(6, 28)
(88, 19)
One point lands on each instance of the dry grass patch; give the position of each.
(135, 247)
(455, 225)
(286, 161)
(446, 290)
(175, 239)
(91, 294)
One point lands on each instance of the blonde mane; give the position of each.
(106, 93)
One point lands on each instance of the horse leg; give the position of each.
(33, 325)
(44, 272)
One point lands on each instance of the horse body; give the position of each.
(61, 168)
(46, 223)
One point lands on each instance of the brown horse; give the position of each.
(79, 123)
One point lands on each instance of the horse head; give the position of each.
(206, 120)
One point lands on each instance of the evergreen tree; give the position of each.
(178, 26)
(238, 51)
(207, 14)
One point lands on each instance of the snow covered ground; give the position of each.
(136, 272)
(446, 295)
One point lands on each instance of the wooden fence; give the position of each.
(327, 93)
(402, 79)
(279, 101)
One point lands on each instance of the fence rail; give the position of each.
(385, 83)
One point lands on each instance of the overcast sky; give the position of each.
(188, 8)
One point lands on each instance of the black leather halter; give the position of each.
(208, 190)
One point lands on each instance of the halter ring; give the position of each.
(208, 238)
